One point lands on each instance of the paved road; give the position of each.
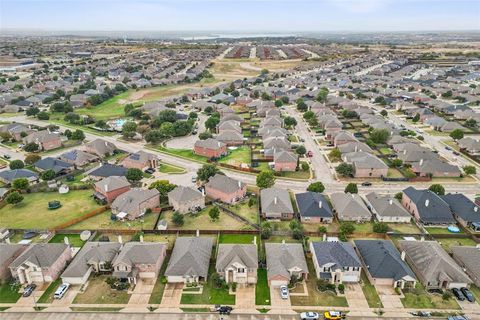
(188, 142)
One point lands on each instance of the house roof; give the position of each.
(281, 257)
(184, 194)
(275, 200)
(140, 157)
(463, 207)
(112, 183)
(10, 175)
(133, 253)
(224, 183)
(349, 205)
(42, 255)
(244, 254)
(50, 163)
(91, 253)
(107, 170)
(431, 208)
(432, 262)
(190, 257)
(77, 156)
(313, 204)
(468, 257)
(383, 260)
(282, 156)
(386, 205)
(337, 254)
(129, 201)
(8, 250)
(41, 137)
(101, 147)
(210, 143)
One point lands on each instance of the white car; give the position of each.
(309, 316)
(61, 291)
(284, 292)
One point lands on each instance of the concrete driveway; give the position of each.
(245, 297)
(355, 296)
(172, 295)
(142, 291)
(68, 297)
(388, 296)
(277, 301)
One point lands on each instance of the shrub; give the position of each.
(322, 229)
(380, 227)
(341, 288)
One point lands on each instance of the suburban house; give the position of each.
(210, 148)
(276, 204)
(134, 203)
(435, 168)
(108, 189)
(58, 166)
(44, 139)
(41, 262)
(225, 189)
(78, 158)
(100, 148)
(472, 146)
(190, 260)
(8, 176)
(230, 138)
(350, 207)
(186, 199)
(284, 261)
(469, 259)
(139, 260)
(366, 165)
(336, 262)
(384, 264)
(106, 170)
(93, 257)
(313, 208)
(464, 210)
(16, 130)
(433, 266)
(237, 263)
(141, 160)
(386, 208)
(8, 253)
(285, 161)
(427, 207)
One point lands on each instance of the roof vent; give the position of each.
(390, 201)
(275, 200)
(475, 209)
(320, 204)
(421, 161)
(427, 202)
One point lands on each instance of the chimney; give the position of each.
(405, 151)
(403, 256)
(427, 202)
(120, 238)
(65, 239)
(255, 240)
(141, 238)
(421, 161)
(283, 241)
(197, 233)
(275, 200)
(390, 201)
(356, 148)
(320, 204)
(106, 187)
(475, 209)
(239, 183)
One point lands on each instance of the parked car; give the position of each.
(456, 153)
(223, 309)
(468, 294)
(310, 154)
(284, 292)
(448, 148)
(61, 291)
(6, 156)
(194, 179)
(366, 184)
(309, 316)
(421, 314)
(27, 291)
(334, 315)
(150, 170)
(458, 294)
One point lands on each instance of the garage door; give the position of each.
(349, 278)
(278, 283)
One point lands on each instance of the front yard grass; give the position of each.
(73, 239)
(419, 298)
(236, 238)
(47, 296)
(183, 153)
(103, 221)
(370, 293)
(237, 156)
(248, 212)
(99, 292)
(299, 174)
(167, 168)
(476, 292)
(210, 294)
(32, 212)
(262, 291)
(9, 292)
(315, 297)
(157, 292)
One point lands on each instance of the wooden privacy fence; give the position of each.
(82, 218)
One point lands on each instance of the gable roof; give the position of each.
(382, 259)
(101, 147)
(190, 257)
(50, 163)
(336, 254)
(386, 205)
(281, 257)
(463, 207)
(42, 255)
(225, 184)
(129, 201)
(184, 194)
(468, 257)
(313, 204)
(349, 205)
(10, 175)
(112, 183)
(133, 253)
(107, 170)
(245, 254)
(431, 208)
(275, 200)
(210, 143)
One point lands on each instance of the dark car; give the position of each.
(468, 294)
(27, 291)
(366, 184)
(223, 309)
(456, 153)
(448, 148)
(6, 156)
(458, 294)
(150, 170)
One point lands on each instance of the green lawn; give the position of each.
(167, 168)
(157, 293)
(438, 230)
(9, 292)
(47, 296)
(237, 157)
(74, 239)
(243, 209)
(236, 238)
(370, 293)
(404, 227)
(184, 153)
(448, 243)
(99, 292)
(262, 291)
(93, 309)
(110, 109)
(195, 310)
(418, 298)
(210, 294)
(103, 221)
(386, 150)
(299, 174)
(476, 292)
(32, 212)
(315, 297)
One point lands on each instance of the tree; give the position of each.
(305, 166)
(32, 111)
(301, 105)
(164, 187)
(438, 189)
(335, 154)
(16, 164)
(43, 116)
(322, 95)
(128, 130)
(128, 108)
(20, 184)
(78, 135)
(31, 147)
(380, 227)
(192, 115)
(72, 117)
(278, 103)
(204, 135)
(134, 174)
(101, 124)
(470, 170)
(384, 112)
(153, 136)
(398, 196)
(206, 172)
(346, 228)
(214, 213)
(396, 163)
(47, 175)
(316, 187)
(177, 219)
(212, 122)
(265, 230)
(322, 229)
(416, 118)
(471, 123)
(301, 150)
(308, 115)
(167, 129)
(379, 135)
(344, 169)
(290, 122)
(14, 198)
(32, 158)
(351, 188)
(265, 179)
(456, 134)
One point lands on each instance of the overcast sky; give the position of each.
(241, 15)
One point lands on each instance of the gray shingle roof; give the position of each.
(41, 254)
(349, 205)
(224, 183)
(313, 204)
(112, 183)
(246, 254)
(283, 256)
(386, 205)
(339, 254)
(463, 207)
(184, 194)
(431, 208)
(140, 253)
(275, 201)
(468, 257)
(209, 143)
(190, 257)
(107, 170)
(10, 175)
(50, 163)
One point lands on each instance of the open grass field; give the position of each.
(448, 243)
(103, 221)
(237, 157)
(73, 239)
(32, 212)
(262, 291)
(99, 292)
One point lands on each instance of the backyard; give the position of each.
(33, 213)
(103, 221)
(73, 239)
(99, 292)
(237, 156)
(9, 292)
(236, 238)
(448, 243)
(262, 291)
(248, 212)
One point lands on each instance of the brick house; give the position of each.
(427, 207)
(44, 139)
(135, 203)
(140, 160)
(9, 252)
(110, 188)
(225, 189)
(186, 199)
(285, 161)
(210, 148)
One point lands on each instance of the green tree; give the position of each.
(316, 187)
(14, 198)
(470, 169)
(134, 174)
(129, 129)
(265, 179)
(396, 163)
(78, 135)
(101, 124)
(344, 169)
(437, 188)
(128, 108)
(164, 187)
(32, 158)
(347, 228)
(301, 150)
(214, 213)
(204, 135)
(31, 147)
(471, 123)
(380, 227)
(322, 95)
(177, 219)
(20, 184)
(72, 117)
(290, 122)
(416, 118)
(399, 196)
(322, 229)
(384, 112)
(167, 129)
(265, 230)
(308, 115)
(47, 175)
(32, 111)
(43, 116)
(305, 166)
(212, 122)
(16, 164)
(206, 172)
(351, 188)
(335, 154)
(278, 103)
(379, 135)
(456, 134)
